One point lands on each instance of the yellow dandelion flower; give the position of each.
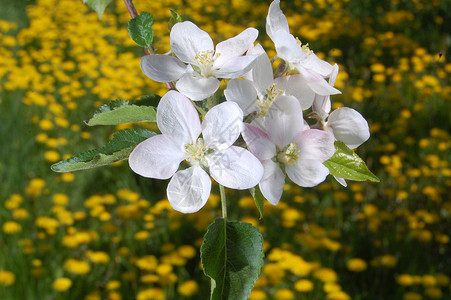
(429, 280)
(142, 235)
(257, 295)
(7, 278)
(78, 267)
(325, 275)
(433, 292)
(151, 294)
(62, 284)
(303, 285)
(284, 294)
(60, 199)
(412, 296)
(67, 177)
(113, 285)
(187, 251)
(97, 257)
(188, 288)
(405, 280)
(356, 265)
(11, 227)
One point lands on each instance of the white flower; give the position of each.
(160, 156)
(297, 55)
(290, 147)
(346, 124)
(259, 90)
(193, 46)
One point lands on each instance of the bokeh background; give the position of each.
(109, 234)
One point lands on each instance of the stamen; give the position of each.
(195, 152)
(204, 61)
(289, 155)
(265, 102)
(305, 48)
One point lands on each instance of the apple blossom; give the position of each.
(198, 64)
(288, 147)
(297, 55)
(160, 156)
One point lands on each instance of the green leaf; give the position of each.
(117, 149)
(258, 199)
(121, 111)
(346, 164)
(232, 256)
(140, 29)
(98, 5)
(175, 18)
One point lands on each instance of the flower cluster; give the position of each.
(264, 107)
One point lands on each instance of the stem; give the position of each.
(223, 201)
(133, 13)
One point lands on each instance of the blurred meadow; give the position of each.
(109, 234)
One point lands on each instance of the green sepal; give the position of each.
(122, 111)
(98, 5)
(117, 149)
(232, 256)
(346, 164)
(175, 18)
(259, 199)
(140, 29)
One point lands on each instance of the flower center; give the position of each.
(305, 48)
(289, 155)
(265, 102)
(204, 62)
(196, 152)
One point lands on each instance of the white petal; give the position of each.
(177, 118)
(321, 105)
(189, 189)
(315, 144)
(317, 83)
(187, 40)
(258, 142)
(162, 68)
(157, 157)
(296, 86)
(333, 76)
(272, 182)
(262, 73)
(341, 181)
(348, 126)
(275, 20)
(287, 47)
(197, 88)
(235, 168)
(284, 120)
(243, 93)
(235, 46)
(317, 65)
(236, 67)
(307, 173)
(222, 125)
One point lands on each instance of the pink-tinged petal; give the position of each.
(258, 142)
(243, 93)
(157, 157)
(222, 125)
(315, 144)
(307, 173)
(162, 68)
(317, 83)
(197, 88)
(275, 20)
(284, 120)
(317, 65)
(177, 118)
(236, 67)
(272, 182)
(235, 168)
(262, 73)
(287, 47)
(235, 46)
(321, 105)
(187, 40)
(296, 86)
(348, 126)
(333, 76)
(189, 189)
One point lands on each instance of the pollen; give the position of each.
(265, 102)
(305, 48)
(289, 155)
(204, 61)
(195, 152)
